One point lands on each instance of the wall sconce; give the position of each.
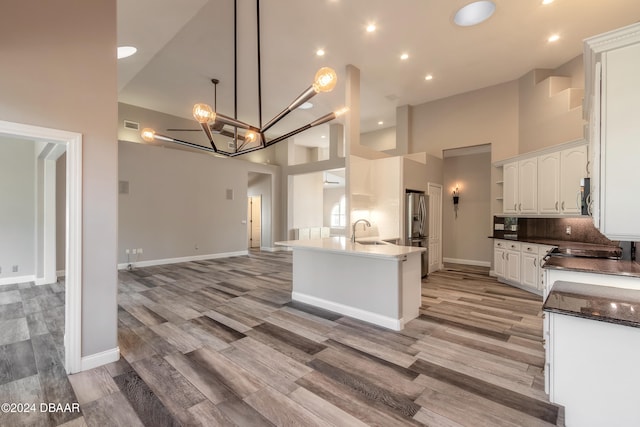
(456, 199)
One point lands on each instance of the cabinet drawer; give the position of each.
(513, 246)
(500, 244)
(529, 248)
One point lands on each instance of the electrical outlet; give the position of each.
(15, 268)
(127, 251)
(568, 229)
(196, 247)
(140, 251)
(0, 270)
(134, 251)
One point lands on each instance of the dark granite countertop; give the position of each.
(561, 244)
(594, 265)
(604, 303)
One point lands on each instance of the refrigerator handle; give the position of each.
(423, 215)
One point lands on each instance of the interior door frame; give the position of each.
(73, 237)
(432, 209)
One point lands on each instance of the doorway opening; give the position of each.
(55, 143)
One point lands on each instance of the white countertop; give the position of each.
(345, 246)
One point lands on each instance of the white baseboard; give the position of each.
(273, 249)
(468, 262)
(17, 279)
(154, 262)
(367, 316)
(99, 359)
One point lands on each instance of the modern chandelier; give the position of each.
(248, 138)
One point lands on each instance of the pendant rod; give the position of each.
(235, 59)
(259, 65)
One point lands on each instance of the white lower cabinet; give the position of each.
(519, 263)
(529, 272)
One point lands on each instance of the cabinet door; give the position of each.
(529, 271)
(549, 183)
(528, 186)
(512, 266)
(499, 262)
(620, 147)
(573, 163)
(510, 188)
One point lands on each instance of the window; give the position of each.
(339, 214)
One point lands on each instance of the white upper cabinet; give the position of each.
(612, 65)
(549, 183)
(510, 188)
(546, 182)
(573, 163)
(528, 186)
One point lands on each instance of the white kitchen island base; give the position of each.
(380, 284)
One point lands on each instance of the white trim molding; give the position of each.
(17, 279)
(468, 262)
(357, 313)
(99, 359)
(154, 262)
(73, 267)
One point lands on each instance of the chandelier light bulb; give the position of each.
(325, 80)
(148, 134)
(203, 113)
(250, 136)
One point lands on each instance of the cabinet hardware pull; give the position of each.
(563, 205)
(556, 205)
(535, 262)
(578, 201)
(544, 315)
(544, 342)
(520, 206)
(515, 206)
(587, 166)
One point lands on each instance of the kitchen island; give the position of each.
(373, 281)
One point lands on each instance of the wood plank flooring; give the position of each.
(219, 342)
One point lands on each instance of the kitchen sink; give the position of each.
(374, 242)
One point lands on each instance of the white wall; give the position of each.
(332, 196)
(177, 204)
(380, 140)
(18, 208)
(59, 71)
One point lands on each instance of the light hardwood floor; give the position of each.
(220, 343)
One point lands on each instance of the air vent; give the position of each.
(131, 125)
(232, 145)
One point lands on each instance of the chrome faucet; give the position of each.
(353, 233)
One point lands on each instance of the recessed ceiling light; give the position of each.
(553, 38)
(428, 77)
(547, 1)
(371, 28)
(320, 52)
(124, 51)
(380, 123)
(404, 56)
(474, 13)
(323, 136)
(305, 106)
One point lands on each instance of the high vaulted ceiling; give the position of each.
(182, 44)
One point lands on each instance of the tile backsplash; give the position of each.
(581, 229)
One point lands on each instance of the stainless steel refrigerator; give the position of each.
(417, 224)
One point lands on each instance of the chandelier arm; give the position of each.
(235, 123)
(324, 119)
(301, 99)
(207, 131)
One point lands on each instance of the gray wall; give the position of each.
(466, 238)
(18, 208)
(59, 71)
